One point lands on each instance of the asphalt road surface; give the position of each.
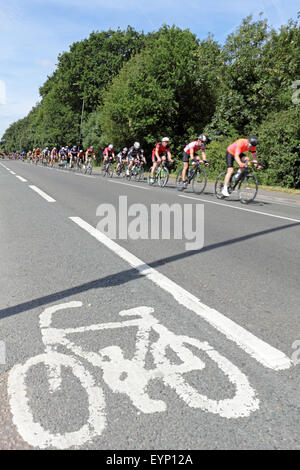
(143, 343)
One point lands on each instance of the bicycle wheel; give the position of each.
(32, 431)
(89, 170)
(179, 182)
(163, 177)
(219, 184)
(199, 181)
(110, 171)
(103, 171)
(247, 188)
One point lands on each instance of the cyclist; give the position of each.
(37, 154)
(80, 157)
(46, 154)
(235, 152)
(108, 154)
(53, 156)
(135, 155)
(190, 153)
(90, 153)
(160, 153)
(122, 158)
(73, 155)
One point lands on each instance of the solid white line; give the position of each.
(86, 176)
(240, 208)
(130, 185)
(41, 193)
(21, 179)
(258, 349)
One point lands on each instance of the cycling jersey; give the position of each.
(194, 145)
(240, 145)
(121, 156)
(80, 154)
(108, 151)
(135, 153)
(90, 151)
(161, 149)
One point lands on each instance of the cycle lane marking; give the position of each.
(239, 208)
(113, 363)
(264, 353)
(42, 193)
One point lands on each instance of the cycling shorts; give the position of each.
(230, 159)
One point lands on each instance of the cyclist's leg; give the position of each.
(186, 158)
(230, 169)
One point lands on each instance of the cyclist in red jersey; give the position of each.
(235, 152)
(90, 153)
(190, 153)
(108, 153)
(160, 152)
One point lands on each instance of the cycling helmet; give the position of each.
(80, 151)
(74, 148)
(165, 139)
(125, 149)
(253, 140)
(202, 137)
(92, 147)
(136, 145)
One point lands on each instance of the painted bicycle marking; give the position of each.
(124, 376)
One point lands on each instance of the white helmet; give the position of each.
(125, 149)
(136, 145)
(165, 139)
(202, 137)
(110, 146)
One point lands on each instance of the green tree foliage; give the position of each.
(142, 87)
(162, 90)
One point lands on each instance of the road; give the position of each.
(200, 356)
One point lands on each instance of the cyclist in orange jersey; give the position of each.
(235, 152)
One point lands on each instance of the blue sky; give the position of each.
(34, 32)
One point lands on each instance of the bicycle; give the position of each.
(121, 171)
(122, 375)
(197, 176)
(136, 171)
(161, 174)
(245, 182)
(108, 169)
(88, 168)
(79, 165)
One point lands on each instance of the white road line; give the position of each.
(21, 179)
(41, 193)
(86, 176)
(130, 185)
(12, 172)
(264, 353)
(240, 208)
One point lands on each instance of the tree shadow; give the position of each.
(129, 275)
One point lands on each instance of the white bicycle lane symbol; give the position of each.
(127, 376)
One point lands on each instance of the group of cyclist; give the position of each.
(161, 153)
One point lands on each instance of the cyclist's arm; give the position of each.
(157, 155)
(237, 157)
(204, 158)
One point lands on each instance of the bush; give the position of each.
(279, 147)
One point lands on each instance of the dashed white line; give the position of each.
(21, 179)
(42, 194)
(239, 208)
(12, 172)
(264, 353)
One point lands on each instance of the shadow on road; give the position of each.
(128, 275)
